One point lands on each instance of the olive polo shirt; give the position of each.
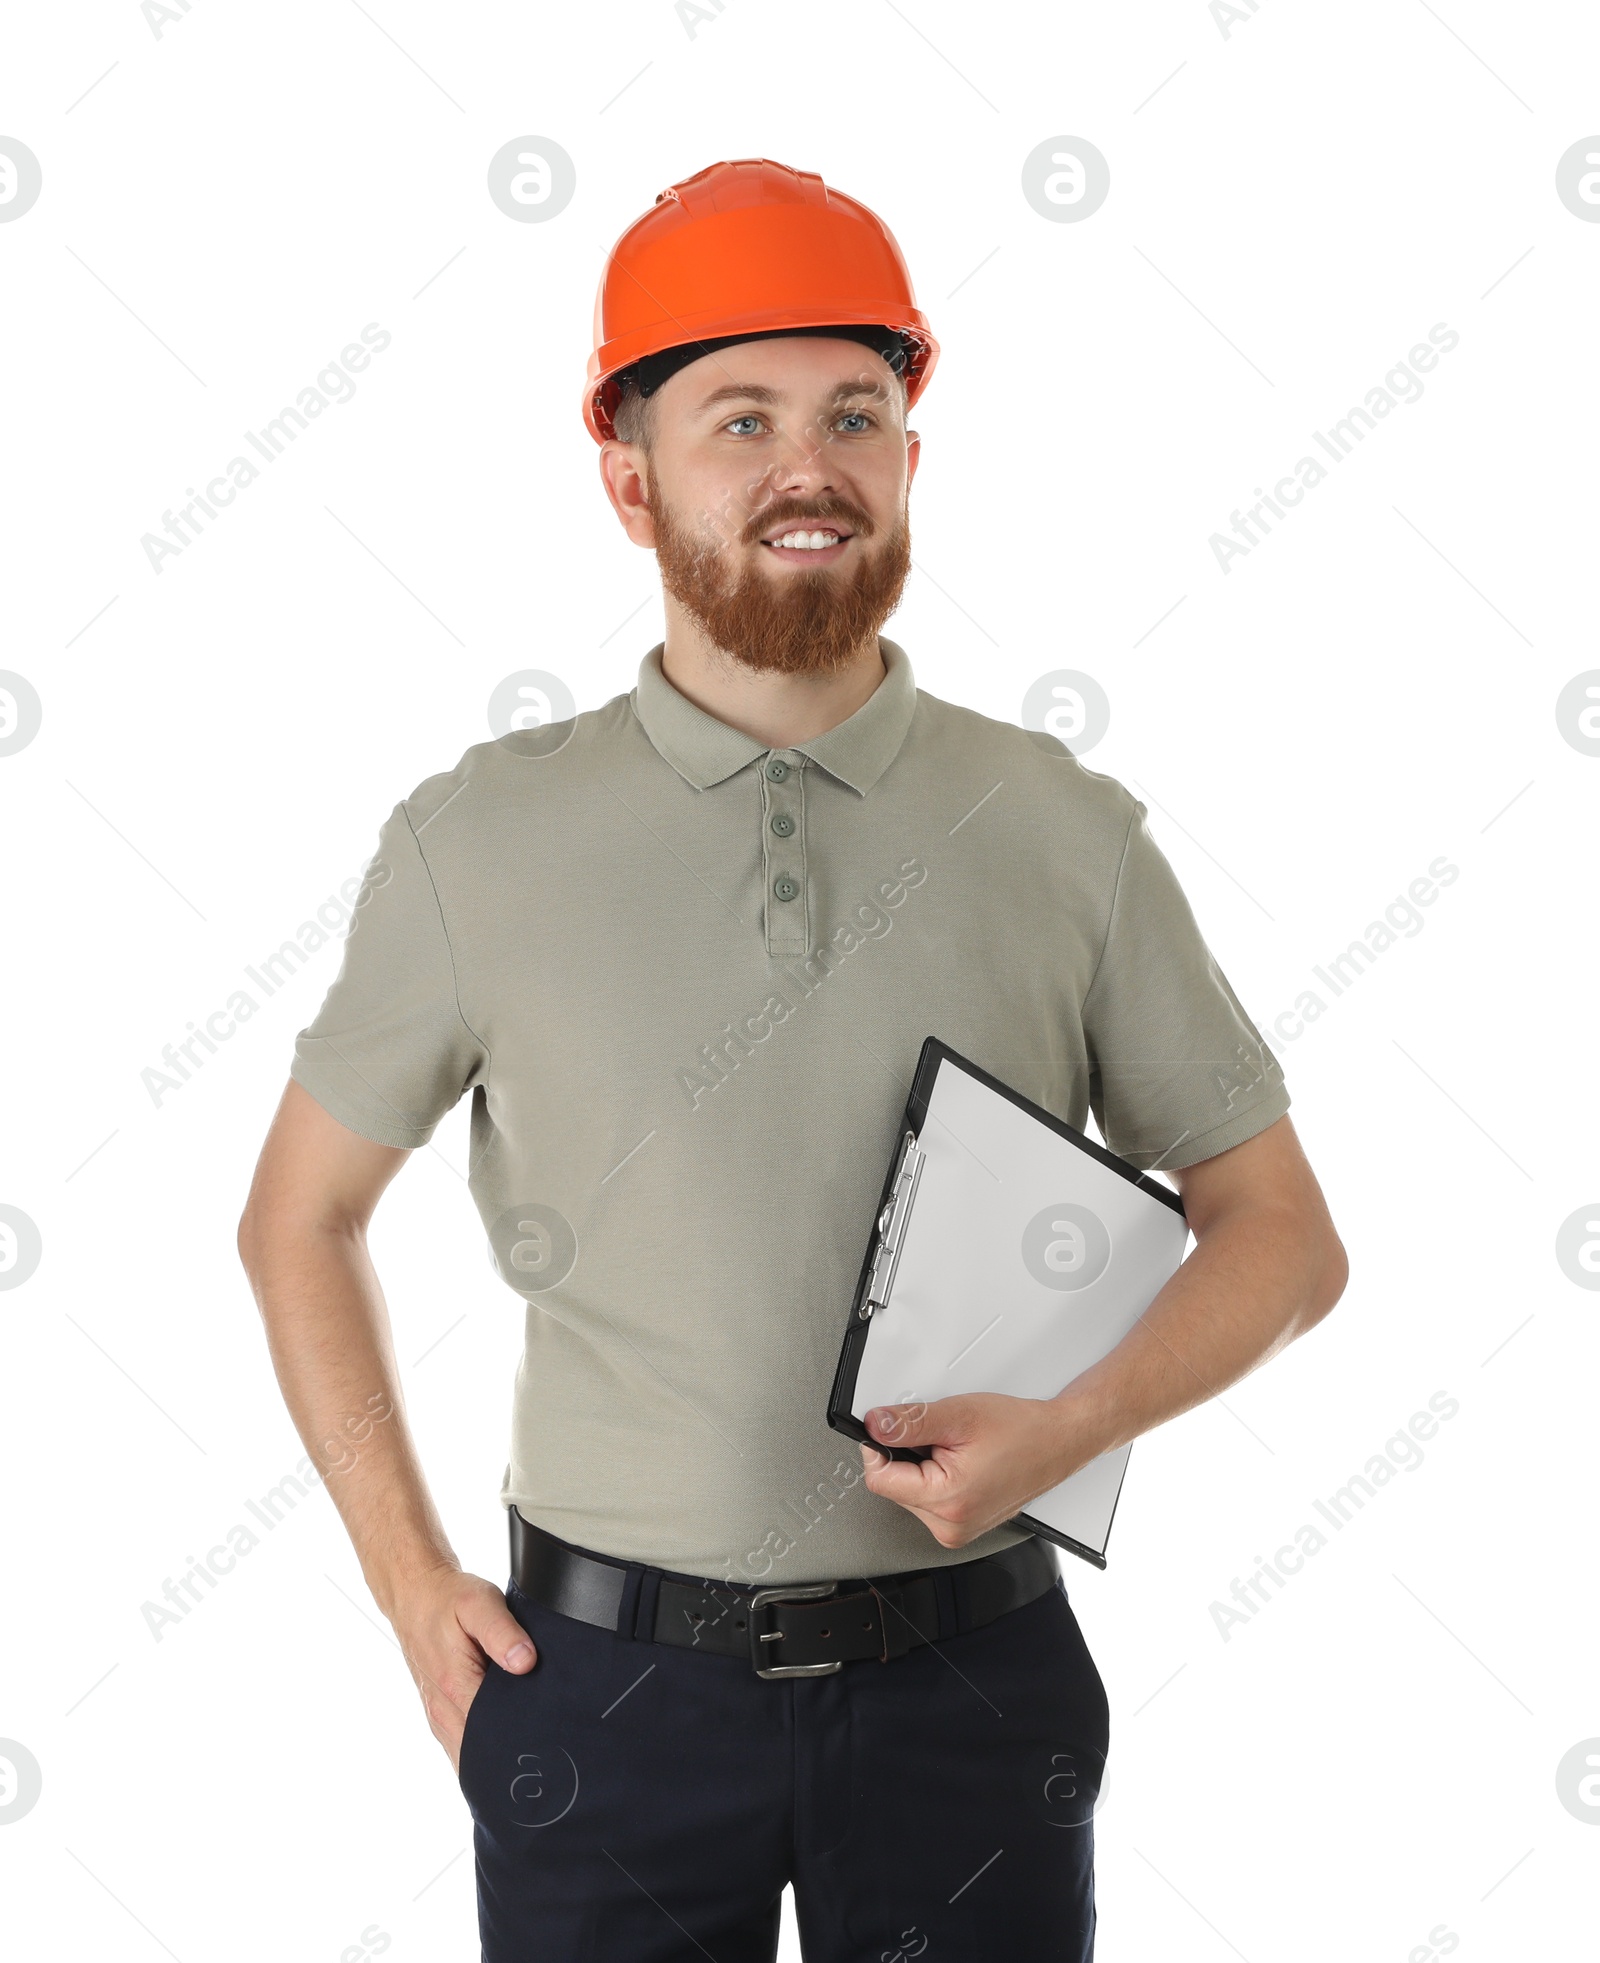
(686, 978)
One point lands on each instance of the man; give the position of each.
(683, 950)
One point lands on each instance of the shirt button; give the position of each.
(783, 824)
(777, 770)
(785, 887)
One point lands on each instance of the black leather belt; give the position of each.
(802, 1630)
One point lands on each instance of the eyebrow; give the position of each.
(759, 392)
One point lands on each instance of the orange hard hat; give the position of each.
(742, 251)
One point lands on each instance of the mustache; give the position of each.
(790, 511)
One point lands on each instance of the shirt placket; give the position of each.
(783, 852)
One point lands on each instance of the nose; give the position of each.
(807, 467)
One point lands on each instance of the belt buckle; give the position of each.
(810, 1592)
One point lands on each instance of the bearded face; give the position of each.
(771, 592)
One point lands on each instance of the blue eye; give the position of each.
(734, 425)
(857, 416)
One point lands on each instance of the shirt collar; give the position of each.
(705, 751)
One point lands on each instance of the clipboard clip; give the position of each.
(892, 1225)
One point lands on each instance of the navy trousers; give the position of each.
(634, 1802)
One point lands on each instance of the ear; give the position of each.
(913, 453)
(624, 472)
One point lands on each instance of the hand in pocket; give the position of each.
(449, 1625)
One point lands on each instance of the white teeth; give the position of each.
(808, 541)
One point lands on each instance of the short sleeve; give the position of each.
(389, 1052)
(1178, 1071)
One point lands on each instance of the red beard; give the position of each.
(794, 622)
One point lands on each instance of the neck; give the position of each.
(777, 710)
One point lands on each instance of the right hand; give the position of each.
(447, 1622)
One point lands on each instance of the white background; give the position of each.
(1293, 205)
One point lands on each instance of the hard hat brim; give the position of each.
(602, 392)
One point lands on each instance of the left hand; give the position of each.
(991, 1455)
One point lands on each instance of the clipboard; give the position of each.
(1009, 1252)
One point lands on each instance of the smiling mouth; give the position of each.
(816, 545)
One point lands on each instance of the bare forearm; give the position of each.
(328, 1332)
(1256, 1279)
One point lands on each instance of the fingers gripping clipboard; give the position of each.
(1009, 1252)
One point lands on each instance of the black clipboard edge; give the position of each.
(1095, 1150)
(1072, 1546)
(1090, 1554)
(842, 1396)
(934, 1052)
